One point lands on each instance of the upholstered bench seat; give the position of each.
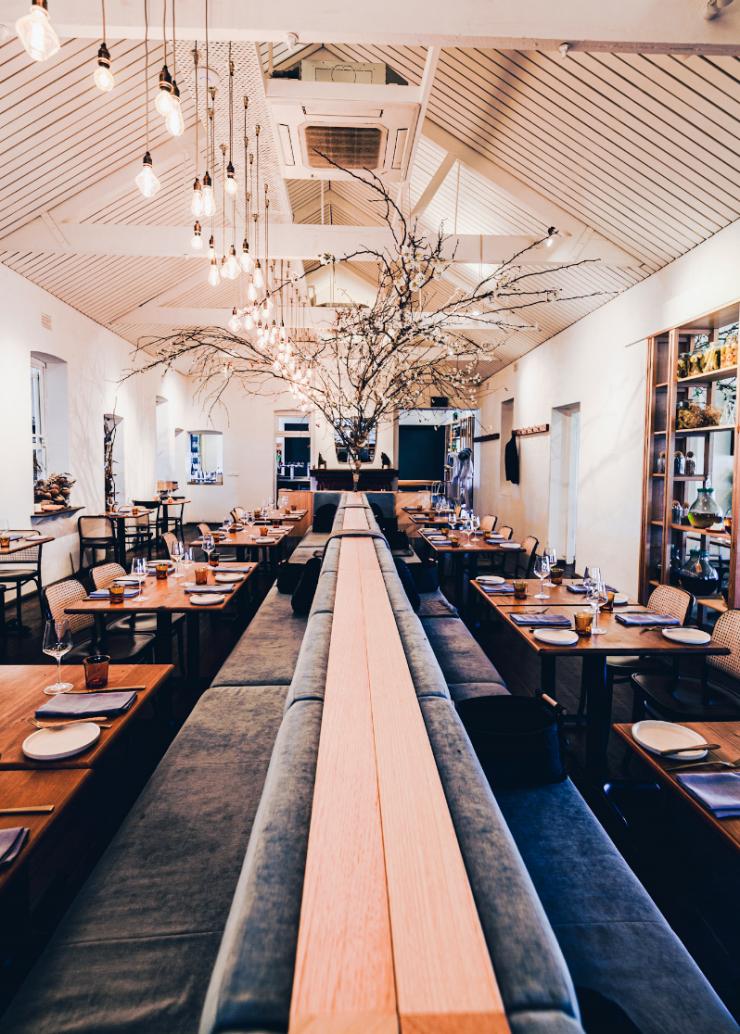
(461, 658)
(614, 939)
(267, 651)
(436, 605)
(135, 952)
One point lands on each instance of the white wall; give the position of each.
(600, 363)
(95, 361)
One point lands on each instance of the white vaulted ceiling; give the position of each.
(637, 149)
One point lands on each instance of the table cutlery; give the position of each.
(101, 720)
(690, 765)
(105, 689)
(29, 809)
(681, 750)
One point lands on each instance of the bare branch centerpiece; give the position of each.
(369, 361)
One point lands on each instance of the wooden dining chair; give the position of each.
(21, 568)
(488, 523)
(95, 534)
(505, 531)
(664, 599)
(171, 541)
(58, 597)
(141, 533)
(713, 697)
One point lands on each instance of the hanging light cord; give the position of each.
(102, 4)
(246, 174)
(197, 107)
(231, 107)
(146, 72)
(174, 50)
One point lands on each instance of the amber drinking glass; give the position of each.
(96, 670)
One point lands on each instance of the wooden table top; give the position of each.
(618, 639)
(727, 734)
(18, 545)
(168, 595)
(21, 693)
(21, 787)
(558, 595)
(248, 538)
(476, 544)
(435, 521)
(124, 515)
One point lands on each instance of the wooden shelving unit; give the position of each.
(716, 450)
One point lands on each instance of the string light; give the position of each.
(146, 179)
(103, 76)
(196, 241)
(36, 32)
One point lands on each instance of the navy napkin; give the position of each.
(497, 590)
(104, 594)
(719, 792)
(542, 620)
(11, 841)
(581, 589)
(74, 705)
(648, 619)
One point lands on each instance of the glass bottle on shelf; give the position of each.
(676, 563)
(728, 520)
(698, 576)
(704, 512)
(676, 511)
(660, 463)
(690, 465)
(679, 464)
(682, 366)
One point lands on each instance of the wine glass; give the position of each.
(57, 642)
(139, 570)
(176, 555)
(552, 556)
(207, 545)
(541, 571)
(598, 597)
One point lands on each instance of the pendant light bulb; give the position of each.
(234, 323)
(268, 303)
(231, 265)
(164, 99)
(36, 32)
(252, 292)
(231, 185)
(146, 180)
(196, 241)
(211, 248)
(248, 321)
(283, 332)
(102, 76)
(214, 277)
(174, 121)
(245, 258)
(259, 277)
(209, 198)
(196, 203)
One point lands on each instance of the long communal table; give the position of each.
(618, 640)
(389, 936)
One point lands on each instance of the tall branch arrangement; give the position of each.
(372, 360)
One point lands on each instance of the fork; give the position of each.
(687, 766)
(100, 719)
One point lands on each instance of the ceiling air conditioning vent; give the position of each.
(342, 72)
(352, 147)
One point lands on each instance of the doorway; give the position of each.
(565, 431)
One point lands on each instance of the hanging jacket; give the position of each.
(511, 461)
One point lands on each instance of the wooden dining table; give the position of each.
(246, 543)
(118, 518)
(593, 650)
(727, 735)
(22, 692)
(464, 557)
(168, 597)
(18, 545)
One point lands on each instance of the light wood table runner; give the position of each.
(389, 938)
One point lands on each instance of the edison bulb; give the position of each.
(209, 198)
(231, 185)
(259, 277)
(268, 304)
(164, 100)
(174, 122)
(102, 76)
(36, 33)
(196, 241)
(196, 202)
(246, 259)
(231, 265)
(214, 277)
(248, 320)
(234, 323)
(252, 292)
(146, 180)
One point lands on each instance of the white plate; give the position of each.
(266, 540)
(491, 579)
(556, 636)
(153, 564)
(693, 636)
(227, 577)
(55, 744)
(206, 599)
(656, 736)
(510, 545)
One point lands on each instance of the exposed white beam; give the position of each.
(425, 92)
(551, 214)
(646, 25)
(440, 175)
(317, 317)
(292, 241)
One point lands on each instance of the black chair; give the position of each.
(96, 533)
(56, 598)
(20, 568)
(135, 624)
(140, 532)
(174, 520)
(713, 697)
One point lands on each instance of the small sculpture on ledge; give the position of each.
(385, 460)
(321, 463)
